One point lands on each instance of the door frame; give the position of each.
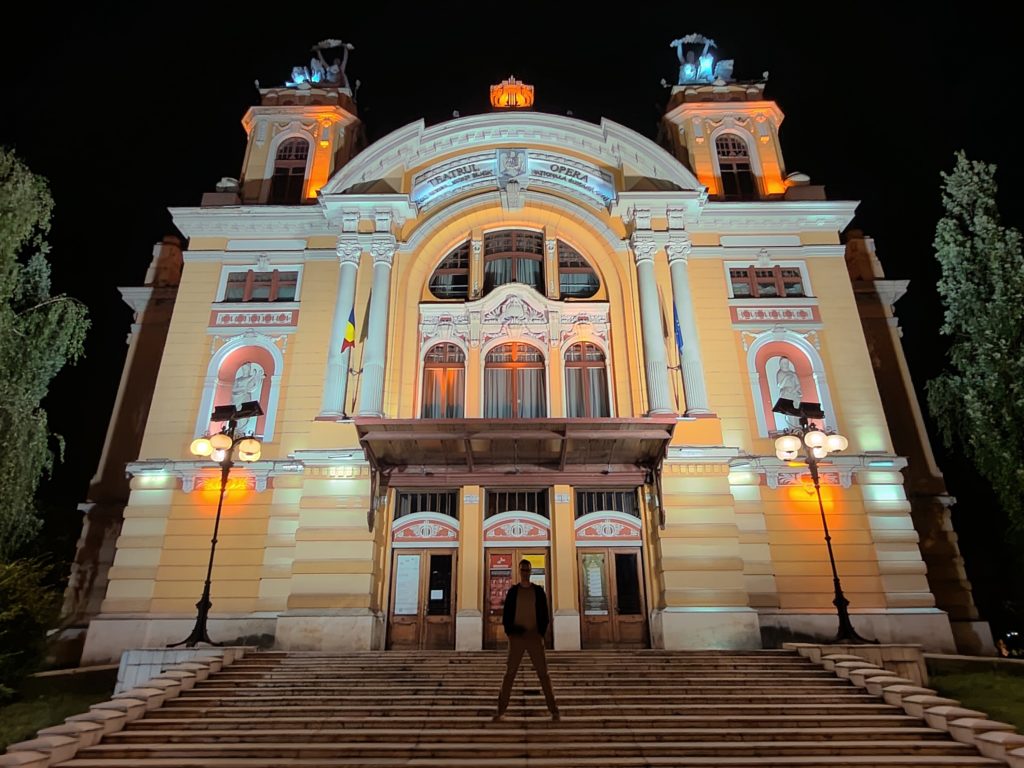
(425, 554)
(610, 573)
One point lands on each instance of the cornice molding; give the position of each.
(772, 216)
(254, 220)
(773, 252)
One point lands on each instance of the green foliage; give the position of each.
(39, 335)
(28, 608)
(978, 400)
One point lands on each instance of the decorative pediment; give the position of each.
(514, 312)
(425, 529)
(601, 529)
(511, 528)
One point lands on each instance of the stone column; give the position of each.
(336, 382)
(562, 570)
(469, 620)
(659, 400)
(690, 362)
(371, 391)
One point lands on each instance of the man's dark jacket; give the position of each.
(508, 618)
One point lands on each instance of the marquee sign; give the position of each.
(526, 168)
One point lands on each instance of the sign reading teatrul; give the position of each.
(524, 167)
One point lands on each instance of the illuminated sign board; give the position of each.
(527, 168)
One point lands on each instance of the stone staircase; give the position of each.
(619, 708)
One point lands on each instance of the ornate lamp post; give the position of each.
(219, 448)
(817, 445)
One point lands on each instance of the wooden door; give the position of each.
(501, 572)
(612, 610)
(422, 600)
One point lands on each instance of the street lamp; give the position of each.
(219, 448)
(817, 445)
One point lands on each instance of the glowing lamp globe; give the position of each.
(836, 443)
(789, 443)
(249, 455)
(819, 452)
(201, 447)
(249, 445)
(815, 439)
(220, 442)
(219, 455)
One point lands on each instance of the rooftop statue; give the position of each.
(319, 72)
(700, 67)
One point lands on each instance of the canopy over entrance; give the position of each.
(496, 452)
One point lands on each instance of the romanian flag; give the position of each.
(350, 332)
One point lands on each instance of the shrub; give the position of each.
(28, 608)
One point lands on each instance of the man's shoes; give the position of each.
(498, 717)
(556, 716)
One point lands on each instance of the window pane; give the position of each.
(286, 284)
(598, 385)
(498, 393)
(261, 285)
(529, 273)
(627, 583)
(235, 289)
(532, 402)
(497, 272)
(575, 404)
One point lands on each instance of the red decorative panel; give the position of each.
(254, 318)
(603, 528)
(510, 527)
(785, 313)
(425, 529)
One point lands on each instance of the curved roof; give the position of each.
(415, 145)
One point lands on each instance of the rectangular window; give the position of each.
(766, 282)
(441, 502)
(535, 501)
(249, 285)
(612, 500)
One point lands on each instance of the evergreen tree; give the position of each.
(978, 400)
(39, 334)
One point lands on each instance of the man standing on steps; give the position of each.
(525, 619)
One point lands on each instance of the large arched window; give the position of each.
(451, 278)
(576, 278)
(444, 383)
(514, 382)
(514, 256)
(289, 172)
(734, 166)
(586, 383)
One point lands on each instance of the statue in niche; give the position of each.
(247, 386)
(787, 381)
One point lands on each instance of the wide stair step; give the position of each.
(619, 709)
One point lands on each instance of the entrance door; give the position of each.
(422, 599)
(502, 572)
(612, 610)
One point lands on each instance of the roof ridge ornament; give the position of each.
(697, 64)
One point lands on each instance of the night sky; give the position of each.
(128, 112)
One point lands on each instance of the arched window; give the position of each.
(289, 172)
(586, 384)
(444, 383)
(451, 278)
(734, 165)
(514, 382)
(514, 256)
(576, 278)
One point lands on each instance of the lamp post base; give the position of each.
(199, 633)
(846, 634)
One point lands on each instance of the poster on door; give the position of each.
(407, 585)
(537, 574)
(595, 585)
(499, 570)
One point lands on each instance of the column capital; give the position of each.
(349, 250)
(383, 249)
(678, 248)
(644, 247)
